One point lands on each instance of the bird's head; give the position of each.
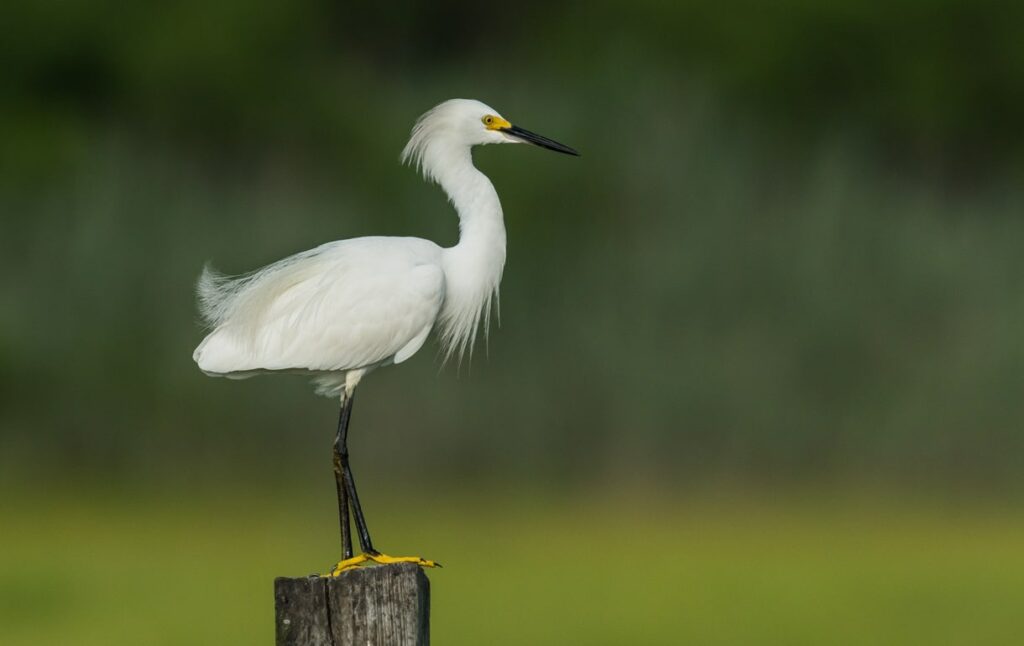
(459, 124)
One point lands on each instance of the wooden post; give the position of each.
(386, 604)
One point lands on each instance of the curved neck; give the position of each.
(473, 267)
(481, 223)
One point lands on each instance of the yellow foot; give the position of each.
(377, 557)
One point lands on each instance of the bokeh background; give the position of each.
(759, 373)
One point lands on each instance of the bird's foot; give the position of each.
(382, 559)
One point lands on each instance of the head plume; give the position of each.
(449, 128)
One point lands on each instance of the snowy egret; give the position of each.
(340, 310)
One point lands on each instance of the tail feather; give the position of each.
(215, 291)
(244, 299)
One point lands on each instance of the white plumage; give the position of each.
(350, 306)
(345, 305)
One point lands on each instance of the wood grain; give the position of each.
(387, 605)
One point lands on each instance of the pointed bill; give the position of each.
(537, 140)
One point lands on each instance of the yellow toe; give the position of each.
(384, 559)
(348, 564)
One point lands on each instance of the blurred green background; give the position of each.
(761, 358)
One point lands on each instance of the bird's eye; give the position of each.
(488, 120)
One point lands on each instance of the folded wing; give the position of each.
(345, 305)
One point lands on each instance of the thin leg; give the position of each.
(364, 534)
(347, 496)
(346, 485)
(339, 478)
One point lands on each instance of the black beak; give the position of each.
(537, 140)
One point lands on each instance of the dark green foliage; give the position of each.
(791, 247)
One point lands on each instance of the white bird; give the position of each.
(340, 310)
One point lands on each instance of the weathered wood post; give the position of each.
(386, 604)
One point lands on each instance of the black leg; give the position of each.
(340, 458)
(346, 485)
(357, 511)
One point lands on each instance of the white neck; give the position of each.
(481, 225)
(472, 267)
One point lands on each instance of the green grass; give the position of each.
(153, 570)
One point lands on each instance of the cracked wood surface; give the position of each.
(386, 605)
